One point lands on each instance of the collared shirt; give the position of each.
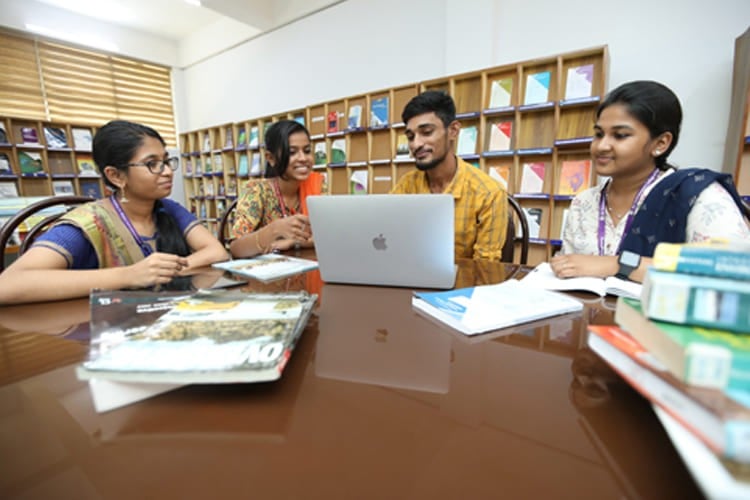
(481, 213)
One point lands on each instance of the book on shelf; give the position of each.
(501, 173)
(575, 176)
(254, 140)
(500, 92)
(55, 137)
(156, 341)
(355, 116)
(532, 177)
(537, 87)
(544, 277)
(243, 168)
(485, 308)
(268, 267)
(500, 134)
(241, 137)
(30, 163)
(300, 119)
(358, 182)
(699, 356)
(563, 222)
(82, 139)
(338, 151)
(321, 155)
(723, 259)
(86, 167)
(208, 166)
(467, 140)
(379, 112)
(534, 217)
(229, 139)
(333, 121)
(90, 187)
(691, 299)
(579, 81)
(255, 169)
(3, 134)
(30, 136)
(720, 422)
(218, 164)
(63, 188)
(206, 142)
(8, 189)
(402, 147)
(5, 167)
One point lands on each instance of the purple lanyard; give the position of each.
(145, 247)
(631, 213)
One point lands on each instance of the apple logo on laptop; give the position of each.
(379, 242)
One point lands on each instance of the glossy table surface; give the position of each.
(376, 402)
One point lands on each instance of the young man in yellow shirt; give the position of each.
(481, 214)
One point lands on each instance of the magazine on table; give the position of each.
(268, 267)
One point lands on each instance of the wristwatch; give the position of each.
(629, 262)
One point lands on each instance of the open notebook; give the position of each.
(385, 239)
(371, 335)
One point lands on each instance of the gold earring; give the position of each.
(123, 197)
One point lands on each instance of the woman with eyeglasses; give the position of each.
(136, 238)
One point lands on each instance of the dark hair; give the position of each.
(114, 145)
(277, 143)
(431, 101)
(652, 104)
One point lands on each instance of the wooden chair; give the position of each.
(65, 203)
(224, 224)
(515, 212)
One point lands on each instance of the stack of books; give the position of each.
(686, 346)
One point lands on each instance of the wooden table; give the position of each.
(375, 403)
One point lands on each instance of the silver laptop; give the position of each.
(372, 335)
(385, 239)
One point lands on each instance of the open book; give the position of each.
(486, 308)
(268, 267)
(542, 276)
(145, 343)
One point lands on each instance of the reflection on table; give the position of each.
(376, 402)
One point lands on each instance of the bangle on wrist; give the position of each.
(258, 244)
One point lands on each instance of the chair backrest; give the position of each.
(516, 213)
(224, 224)
(66, 203)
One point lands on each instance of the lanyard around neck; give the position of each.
(145, 247)
(631, 213)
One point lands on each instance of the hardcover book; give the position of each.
(5, 168)
(229, 141)
(321, 155)
(338, 151)
(30, 136)
(533, 217)
(712, 258)
(537, 87)
(243, 169)
(55, 137)
(86, 167)
(704, 357)
(532, 177)
(501, 92)
(268, 267)
(8, 190)
(358, 182)
(575, 176)
(379, 112)
(333, 121)
(63, 188)
(500, 134)
(166, 340)
(579, 81)
(31, 163)
(501, 173)
(690, 299)
(255, 164)
(206, 142)
(81, 138)
(91, 187)
(467, 141)
(542, 276)
(485, 308)
(720, 422)
(355, 116)
(254, 140)
(241, 138)
(3, 134)
(402, 148)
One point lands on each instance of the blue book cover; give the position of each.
(379, 112)
(537, 87)
(242, 170)
(91, 187)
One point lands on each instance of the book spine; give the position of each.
(687, 299)
(708, 261)
(730, 439)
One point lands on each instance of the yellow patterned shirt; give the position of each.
(481, 215)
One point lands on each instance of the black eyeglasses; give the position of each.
(156, 167)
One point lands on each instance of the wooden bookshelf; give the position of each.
(546, 106)
(737, 148)
(42, 158)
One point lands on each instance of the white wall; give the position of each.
(364, 45)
